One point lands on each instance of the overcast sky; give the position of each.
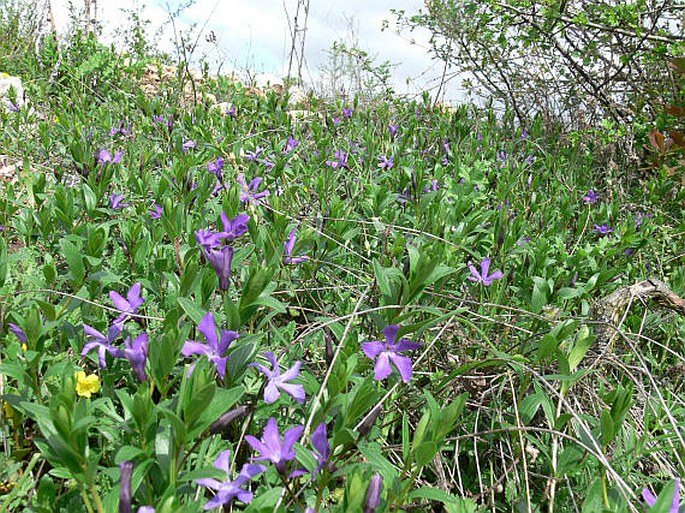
(254, 34)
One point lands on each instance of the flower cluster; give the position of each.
(135, 351)
(216, 248)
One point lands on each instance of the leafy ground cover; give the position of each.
(376, 308)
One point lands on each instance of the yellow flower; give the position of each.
(87, 385)
(9, 411)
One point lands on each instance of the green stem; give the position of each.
(86, 500)
(96, 498)
(292, 495)
(605, 492)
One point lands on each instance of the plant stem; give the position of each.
(96, 498)
(86, 500)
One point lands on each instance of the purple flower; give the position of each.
(125, 492)
(271, 448)
(215, 167)
(248, 193)
(522, 241)
(252, 155)
(156, 212)
(14, 107)
(105, 157)
(373, 494)
(336, 121)
(639, 218)
(502, 155)
(341, 160)
(322, 446)
(208, 239)
(101, 342)
(226, 491)
(221, 260)
(603, 229)
(21, 335)
(404, 196)
(347, 112)
(651, 499)
(120, 129)
(482, 276)
(390, 352)
(129, 305)
(591, 197)
(215, 348)
(289, 246)
(116, 201)
(277, 382)
(291, 144)
(433, 187)
(218, 187)
(385, 162)
(188, 145)
(234, 228)
(136, 354)
(231, 111)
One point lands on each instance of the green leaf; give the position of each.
(74, 256)
(197, 402)
(436, 495)
(223, 400)
(384, 281)
(194, 311)
(373, 453)
(540, 291)
(265, 502)
(548, 346)
(3, 261)
(569, 293)
(257, 282)
(421, 428)
(594, 501)
(128, 453)
(406, 440)
(424, 453)
(580, 348)
(89, 198)
(607, 424)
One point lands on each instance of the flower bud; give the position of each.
(329, 345)
(222, 422)
(369, 421)
(373, 495)
(126, 469)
